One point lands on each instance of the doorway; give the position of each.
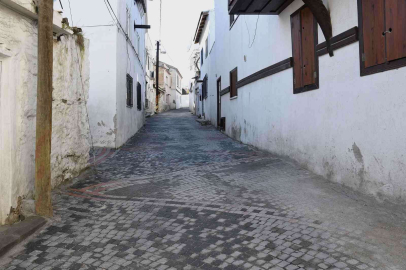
(218, 101)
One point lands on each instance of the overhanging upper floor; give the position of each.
(266, 7)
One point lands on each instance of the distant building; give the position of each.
(150, 89)
(170, 88)
(176, 88)
(164, 88)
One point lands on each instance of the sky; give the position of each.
(179, 22)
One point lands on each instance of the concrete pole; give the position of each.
(43, 204)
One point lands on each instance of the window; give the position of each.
(233, 83)
(139, 107)
(305, 60)
(207, 47)
(204, 87)
(201, 58)
(382, 27)
(129, 91)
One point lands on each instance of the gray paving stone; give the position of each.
(182, 196)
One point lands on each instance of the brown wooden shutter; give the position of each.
(308, 46)
(395, 12)
(373, 27)
(233, 83)
(297, 51)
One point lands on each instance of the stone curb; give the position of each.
(18, 232)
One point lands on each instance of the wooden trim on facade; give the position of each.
(278, 67)
(225, 91)
(346, 38)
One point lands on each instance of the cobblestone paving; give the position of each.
(182, 196)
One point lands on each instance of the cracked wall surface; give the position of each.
(18, 89)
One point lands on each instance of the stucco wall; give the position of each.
(184, 101)
(102, 92)
(129, 120)
(150, 91)
(208, 105)
(70, 133)
(350, 130)
(18, 109)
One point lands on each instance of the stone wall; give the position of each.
(18, 84)
(70, 129)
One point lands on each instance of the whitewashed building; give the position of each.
(150, 90)
(204, 40)
(117, 57)
(176, 88)
(18, 92)
(341, 116)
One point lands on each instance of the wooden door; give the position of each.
(218, 101)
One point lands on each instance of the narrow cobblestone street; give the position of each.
(183, 196)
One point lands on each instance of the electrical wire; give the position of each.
(109, 7)
(255, 33)
(101, 25)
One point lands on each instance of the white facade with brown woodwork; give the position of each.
(342, 117)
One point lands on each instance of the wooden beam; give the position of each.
(322, 16)
(43, 204)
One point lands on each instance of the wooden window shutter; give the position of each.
(297, 51)
(304, 41)
(129, 91)
(233, 83)
(395, 14)
(373, 22)
(308, 47)
(139, 105)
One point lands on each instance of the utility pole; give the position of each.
(43, 204)
(157, 73)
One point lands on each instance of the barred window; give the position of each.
(129, 91)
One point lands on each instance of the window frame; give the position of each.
(201, 57)
(130, 91)
(139, 96)
(205, 87)
(207, 47)
(316, 85)
(394, 64)
(236, 82)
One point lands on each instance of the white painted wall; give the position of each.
(129, 120)
(184, 101)
(18, 85)
(112, 123)
(350, 130)
(208, 68)
(150, 91)
(102, 93)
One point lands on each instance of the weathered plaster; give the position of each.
(18, 36)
